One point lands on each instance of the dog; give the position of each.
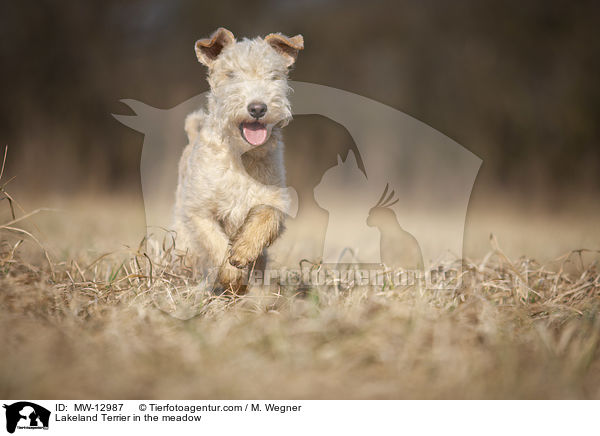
(231, 196)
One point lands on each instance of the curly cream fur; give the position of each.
(231, 196)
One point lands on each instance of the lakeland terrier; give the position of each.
(231, 196)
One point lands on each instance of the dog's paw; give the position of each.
(230, 279)
(239, 261)
(241, 255)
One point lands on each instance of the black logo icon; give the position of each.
(26, 415)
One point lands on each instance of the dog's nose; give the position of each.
(257, 110)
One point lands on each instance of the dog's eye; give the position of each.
(230, 74)
(275, 76)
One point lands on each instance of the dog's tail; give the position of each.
(193, 124)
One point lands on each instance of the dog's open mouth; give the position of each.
(255, 133)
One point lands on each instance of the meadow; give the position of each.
(116, 322)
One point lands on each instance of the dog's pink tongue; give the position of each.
(255, 133)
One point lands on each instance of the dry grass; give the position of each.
(98, 327)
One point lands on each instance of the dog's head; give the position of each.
(248, 80)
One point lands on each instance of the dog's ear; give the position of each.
(287, 47)
(208, 49)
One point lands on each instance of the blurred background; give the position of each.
(514, 82)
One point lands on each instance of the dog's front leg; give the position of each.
(262, 226)
(212, 246)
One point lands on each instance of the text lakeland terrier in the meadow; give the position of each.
(231, 196)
